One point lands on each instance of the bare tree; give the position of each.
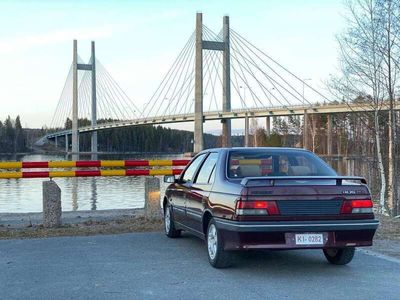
(389, 51)
(362, 68)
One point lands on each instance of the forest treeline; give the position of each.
(12, 137)
(146, 138)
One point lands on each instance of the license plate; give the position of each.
(309, 239)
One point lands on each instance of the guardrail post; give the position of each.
(152, 208)
(51, 204)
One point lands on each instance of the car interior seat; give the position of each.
(299, 171)
(249, 171)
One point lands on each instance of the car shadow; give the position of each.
(279, 262)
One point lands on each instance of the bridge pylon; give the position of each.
(84, 67)
(223, 46)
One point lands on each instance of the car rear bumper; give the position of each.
(274, 235)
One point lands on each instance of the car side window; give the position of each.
(207, 168)
(190, 171)
(212, 176)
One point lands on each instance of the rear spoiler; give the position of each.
(270, 180)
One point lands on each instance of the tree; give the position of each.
(20, 140)
(368, 73)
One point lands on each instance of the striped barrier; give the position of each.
(257, 162)
(92, 164)
(89, 173)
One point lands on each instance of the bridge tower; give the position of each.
(85, 67)
(223, 46)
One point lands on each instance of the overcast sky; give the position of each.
(137, 42)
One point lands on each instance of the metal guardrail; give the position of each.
(90, 172)
(91, 163)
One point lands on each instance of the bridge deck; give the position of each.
(234, 114)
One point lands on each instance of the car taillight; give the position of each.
(356, 206)
(256, 208)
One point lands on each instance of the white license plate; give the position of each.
(309, 239)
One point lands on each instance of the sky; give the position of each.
(137, 41)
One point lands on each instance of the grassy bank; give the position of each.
(88, 227)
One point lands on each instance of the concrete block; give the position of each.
(51, 204)
(152, 207)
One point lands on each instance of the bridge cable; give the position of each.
(248, 69)
(281, 66)
(215, 57)
(161, 86)
(271, 78)
(175, 82)
(171, 77)
(109, 97)
(185, 65)
(128, 102)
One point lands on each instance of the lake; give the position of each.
(83, 193)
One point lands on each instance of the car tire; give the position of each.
(169, 224)
(340, 256)
(217, 256)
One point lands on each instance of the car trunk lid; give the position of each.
(305, 196)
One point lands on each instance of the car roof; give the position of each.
(256, 149)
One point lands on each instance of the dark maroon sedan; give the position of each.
(269, 198)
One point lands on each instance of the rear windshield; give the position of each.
(245, 163)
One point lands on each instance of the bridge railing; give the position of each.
(93, 168)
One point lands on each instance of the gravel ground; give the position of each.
(386, 241)
(149, 265)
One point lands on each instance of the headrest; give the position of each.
(250, 171)
(299, 171)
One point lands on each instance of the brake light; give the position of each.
(356, 206)
(256, 208)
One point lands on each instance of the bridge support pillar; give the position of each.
(66, 144)
(56, 141)
(246, 132)
(94, 105)
(329, 126)
(75, 138)
(226, 82)
(268, 126)
(198, 82)
(305, 131)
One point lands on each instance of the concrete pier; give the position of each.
(226, 84)
(305, 131)
(268, 126)
(329, 134)
(198, 90)
(152, 207)
(75, 137)
(94, 103)
(246, 132)
(51, 204)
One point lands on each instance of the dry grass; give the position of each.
(90, 227)
(389, 228)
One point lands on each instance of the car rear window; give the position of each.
(251, 163)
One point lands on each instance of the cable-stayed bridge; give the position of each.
(216, 76)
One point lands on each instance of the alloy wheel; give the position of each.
(212, 241)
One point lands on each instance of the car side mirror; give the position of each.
(169, 179)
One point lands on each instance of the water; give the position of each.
(99, 193)
(83, 193)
